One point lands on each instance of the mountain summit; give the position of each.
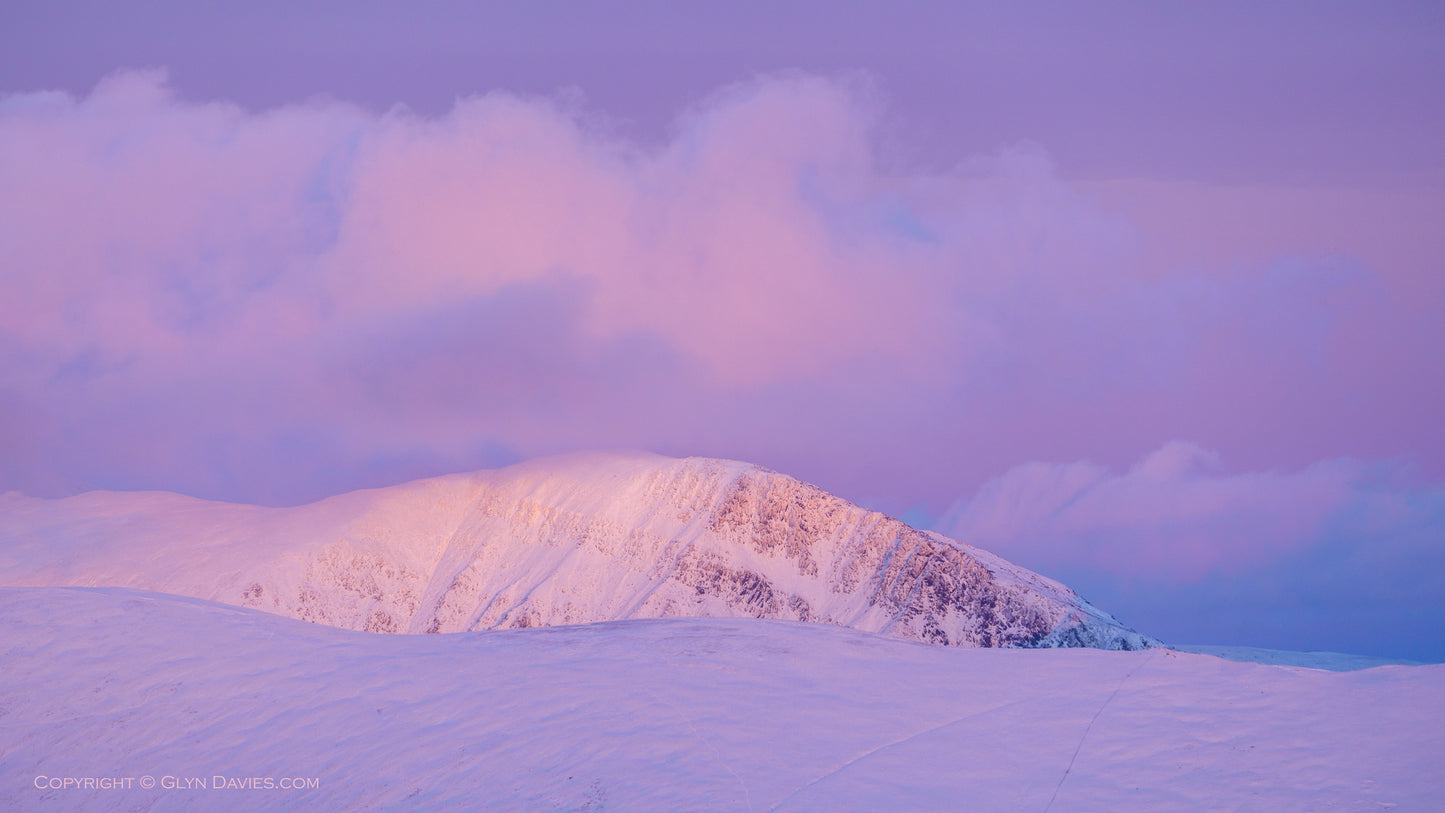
(563, 540)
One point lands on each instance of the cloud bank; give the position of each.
(188, 283)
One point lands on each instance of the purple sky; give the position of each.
(1146, 297)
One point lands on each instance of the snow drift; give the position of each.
(673, 714)
(576, 539)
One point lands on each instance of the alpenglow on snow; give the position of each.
(567, 540)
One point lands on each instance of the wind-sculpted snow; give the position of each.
(671, 714)
(559, 541)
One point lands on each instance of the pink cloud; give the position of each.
(505, 191)
(191, 287)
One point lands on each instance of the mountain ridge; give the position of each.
(569, 539)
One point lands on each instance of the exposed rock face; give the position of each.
(563, 541)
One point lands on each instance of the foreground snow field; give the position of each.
(672, 714)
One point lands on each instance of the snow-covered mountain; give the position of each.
(581, 538)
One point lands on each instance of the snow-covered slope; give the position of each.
(675, 714)
(582, 538)
(1333, 661)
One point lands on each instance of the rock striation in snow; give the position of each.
(575, 539)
